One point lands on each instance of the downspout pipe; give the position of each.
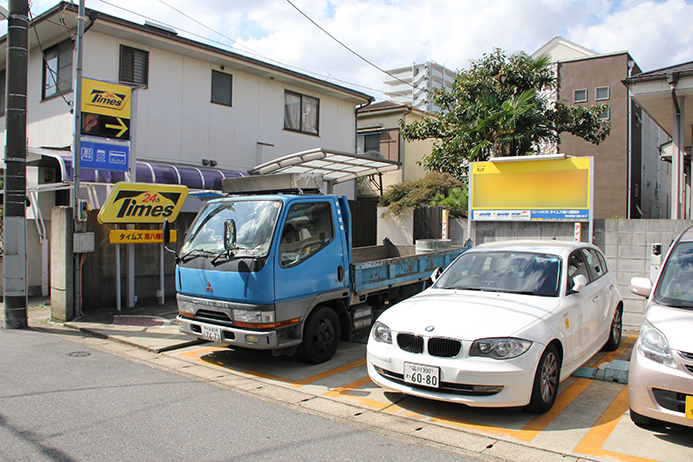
(356, 137)
(673, 79)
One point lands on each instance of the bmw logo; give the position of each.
(430, 329)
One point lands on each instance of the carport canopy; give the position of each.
(334, 166)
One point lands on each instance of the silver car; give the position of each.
(660, 382)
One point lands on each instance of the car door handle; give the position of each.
(595, 298)
(340, 273)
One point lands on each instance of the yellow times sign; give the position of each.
(139, 236)
(105, 98)
(143, 203)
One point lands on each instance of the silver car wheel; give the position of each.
(549, 377)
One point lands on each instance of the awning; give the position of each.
(335, 167)
(147, 172)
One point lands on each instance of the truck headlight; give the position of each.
(653, 345)
(499, 348)
(186, 307)
(254, 317)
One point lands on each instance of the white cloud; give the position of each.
(396, 33)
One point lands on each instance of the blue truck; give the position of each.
(271, 267)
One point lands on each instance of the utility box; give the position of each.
(83, 242)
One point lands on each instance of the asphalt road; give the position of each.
(61, 400)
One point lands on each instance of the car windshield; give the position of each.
(499, 271)
(255, 222)
(675, 286)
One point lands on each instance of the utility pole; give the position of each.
(14, 222)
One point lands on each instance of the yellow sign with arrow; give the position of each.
(106, 110)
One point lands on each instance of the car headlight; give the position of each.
(499, 348)
(653, 345)
(255, 317)
(381, 333)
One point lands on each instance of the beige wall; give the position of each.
(610, 156)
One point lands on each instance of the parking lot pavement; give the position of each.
(588, 421)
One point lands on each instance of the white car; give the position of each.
(660, 379)
(501, 327)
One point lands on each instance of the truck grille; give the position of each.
(437, 346)
(212, 315)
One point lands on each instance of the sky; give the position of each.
(389, 34)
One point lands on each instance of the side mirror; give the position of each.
(166, 237)
(436, 274)
(230, 234)
(167, 232)
(641, 286)
(579, 283)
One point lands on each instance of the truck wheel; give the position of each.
(320, 336)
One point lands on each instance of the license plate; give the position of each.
(689, 407)
(417, 374)
(211, 333)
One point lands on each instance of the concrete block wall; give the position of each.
(627, 245)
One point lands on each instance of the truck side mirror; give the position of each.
(436, 274)
(230, 234)
(167, 232)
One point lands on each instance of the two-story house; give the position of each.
(199, 109)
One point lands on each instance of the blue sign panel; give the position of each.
(531, 215)
(105, 156)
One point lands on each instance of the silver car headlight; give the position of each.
(381, 333)
(499, 348)
(653, 345)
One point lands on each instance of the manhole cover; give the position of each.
(138, 320)
(79, 354)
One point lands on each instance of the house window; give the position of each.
(221, 88)
(383, 142)
(57, 69)
(368, 142)
(580, 96)
(2, 92)
(605, 114)
(134, 65)
(601, 93)
(301, 113)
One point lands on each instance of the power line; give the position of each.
(349, 49)
(247, 51)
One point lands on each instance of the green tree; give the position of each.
(496, 108)
(439, 189)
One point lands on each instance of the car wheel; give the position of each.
(615, 332)
(320, 336)
(546, 380)
(640, 420)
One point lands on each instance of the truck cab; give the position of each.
(268, 272)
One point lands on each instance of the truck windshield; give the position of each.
(255, 222)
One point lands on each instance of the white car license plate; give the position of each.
(428, 376)
(211, 333)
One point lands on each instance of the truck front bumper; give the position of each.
(252, 339)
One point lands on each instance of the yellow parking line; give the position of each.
(613, 355)
(345, 389)
(197, 355)
(592, 443)
(312, 378)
